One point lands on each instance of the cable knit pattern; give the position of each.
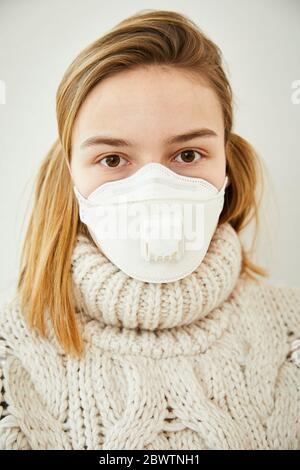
(207, 362)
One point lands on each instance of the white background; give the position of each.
(260, 41)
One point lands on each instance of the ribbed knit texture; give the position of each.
(207, 362)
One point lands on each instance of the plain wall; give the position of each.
(260, 41)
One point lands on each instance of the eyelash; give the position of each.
(203, 157)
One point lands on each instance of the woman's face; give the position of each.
(137, 117)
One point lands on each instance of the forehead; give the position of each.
(147, 97)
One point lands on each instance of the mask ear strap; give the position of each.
(225, 184)
(79, 196)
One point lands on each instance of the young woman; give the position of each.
(147, 341)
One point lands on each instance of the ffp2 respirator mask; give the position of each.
(155, 225)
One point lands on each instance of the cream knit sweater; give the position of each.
(207, 362)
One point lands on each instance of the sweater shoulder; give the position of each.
(13, 325)
(280, 301)
(13, 329)
(21, 338)
(270, 309)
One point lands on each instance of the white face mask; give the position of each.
(155, 225)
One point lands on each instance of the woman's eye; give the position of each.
(188, 156)
(112, 161)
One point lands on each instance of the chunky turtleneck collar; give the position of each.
(109, 295)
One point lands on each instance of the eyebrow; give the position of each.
(117, 142)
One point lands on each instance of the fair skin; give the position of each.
(145, 107)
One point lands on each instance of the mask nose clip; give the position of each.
(162, 239)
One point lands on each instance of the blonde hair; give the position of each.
(150, 37)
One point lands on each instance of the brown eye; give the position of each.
(188, 156)
(112, 161)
